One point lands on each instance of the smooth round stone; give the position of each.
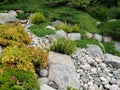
(93, 70)
(43, 72)
(107, 86)
(118, 83)
(113, 81)
(91, 88)
(103, 79)
(114, 87)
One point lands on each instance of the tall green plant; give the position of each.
(63, 46)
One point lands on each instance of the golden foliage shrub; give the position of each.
(24, 57)
(14, 32)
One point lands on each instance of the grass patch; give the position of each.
(110, 48)
(40, 30)
(83, 43)
(66, 14)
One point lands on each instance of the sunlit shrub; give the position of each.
(17, 57)
(14, 32)
(63, 46)
(39, 57)
(37, 18)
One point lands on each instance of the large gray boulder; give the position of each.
(97, 37)
(62, 71)
(74, 36)
(117, 46)
(113, 60)
(61, 34)
(7, 18)
(95, 50)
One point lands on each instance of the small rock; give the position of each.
(98, 37)
(107, 86)
(117, 46)
(114, 87)
(12, 12)
(113, 81)
(43, 72)
(0, 50)
(86, 67)
(88, 35)
(51, 27)
(46, 87)
(61, 34)
(43, 80)
(74, 36)
(94, 70)
(107, 39)
(103, 79)
(118, 83)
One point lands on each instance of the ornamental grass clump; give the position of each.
(65, 46)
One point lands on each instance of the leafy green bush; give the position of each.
(12, 79)
(83, 43)
(98, 12)
(40, 30)
(22, 16)
(110, 48)
(37, 18)
(54, 3)
(63, 46)
(79, 3)
(112, 29)
(13, 32)
(68, 28)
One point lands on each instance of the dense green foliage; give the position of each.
(110, 48)
(63, 46)
(41, 30)
(111, 28)
(12, 79)
(22, 16)
(83, 43)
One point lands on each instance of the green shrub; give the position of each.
(110, 48)
(98, 12)
(54, 3)
(13, 32)
(79, 3)
(68, 28)
(37, 18)
(112, 29)
(41, 30)
(83, 44)
(63, 46)
(22, 16)
(12, 79)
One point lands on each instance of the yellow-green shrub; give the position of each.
(39, 57)
(14, 32)
(68, 28)
(17, 57)
(37, 18)
(24, 57)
